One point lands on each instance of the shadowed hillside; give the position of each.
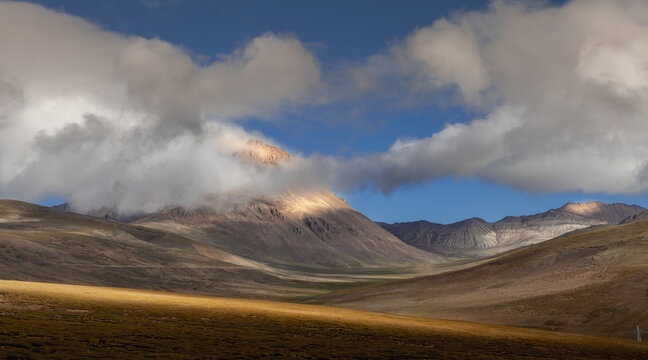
(594, 282)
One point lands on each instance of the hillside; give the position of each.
(62, 321)
(476, 237)
(594, 282)
(636, 217)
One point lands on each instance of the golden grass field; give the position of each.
(43, 320)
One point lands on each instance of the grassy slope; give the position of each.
(66, 321)
(594, 282)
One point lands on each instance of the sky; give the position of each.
(436, 110)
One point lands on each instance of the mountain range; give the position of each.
(475, 237)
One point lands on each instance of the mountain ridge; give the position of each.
(477, 237)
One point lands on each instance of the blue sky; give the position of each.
(339, 33)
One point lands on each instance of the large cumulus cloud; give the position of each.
(104, 119)
(564, 90)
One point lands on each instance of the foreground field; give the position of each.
(66, 321)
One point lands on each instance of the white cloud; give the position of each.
(449, 54)
(109, 120)
(255, 80)
(565, 89)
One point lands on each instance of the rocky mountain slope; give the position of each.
(309, 230)
(476, 237)
(594, 282)
(636, 217)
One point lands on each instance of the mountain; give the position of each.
(309, 229)
(258, 152)
(476, 237)
(306, 229)
(594, 282)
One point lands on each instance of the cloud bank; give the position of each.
(564, 90)
(135, 124)
(103, 119)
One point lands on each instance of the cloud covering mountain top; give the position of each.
(109, 120)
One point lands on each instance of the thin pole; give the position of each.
(639, 332)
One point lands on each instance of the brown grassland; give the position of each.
(44, 320)
(589, 282)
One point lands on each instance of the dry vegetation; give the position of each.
(65, 321)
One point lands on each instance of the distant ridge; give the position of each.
(477, 237)
(105, 213)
